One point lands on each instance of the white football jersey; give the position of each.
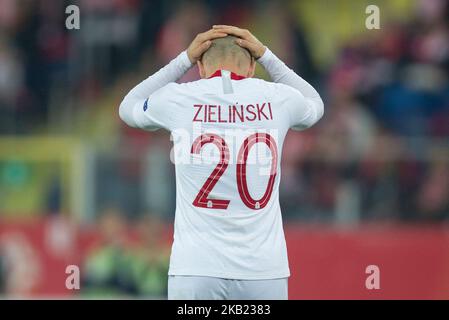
(228, 133)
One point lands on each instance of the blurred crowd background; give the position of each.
(74, 178)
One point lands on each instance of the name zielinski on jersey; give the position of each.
(232, 114)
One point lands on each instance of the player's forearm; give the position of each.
(281, 73)
(169, 73)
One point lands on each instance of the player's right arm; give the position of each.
(146, 105)
(307, 107)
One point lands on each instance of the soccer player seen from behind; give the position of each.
(228, 130)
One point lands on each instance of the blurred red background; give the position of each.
(326, 263)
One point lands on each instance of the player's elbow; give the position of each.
(126, 113)
(319, 108)
(316, 112)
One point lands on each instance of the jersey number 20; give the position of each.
(202, 199)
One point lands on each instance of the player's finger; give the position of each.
(218, 26)
(246, 44)
(228, 28)
(212, 34)
(206, 45)
(202, 48)
(234, 31)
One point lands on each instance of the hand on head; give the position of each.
(246, 39)
(203, 41)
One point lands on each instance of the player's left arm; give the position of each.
(135, 101)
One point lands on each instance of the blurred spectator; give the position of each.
(118, 266)
(105, 267)
(178, 31)
(11, 83)
(151, 257)
(433, 195)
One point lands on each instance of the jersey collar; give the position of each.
(234, 76)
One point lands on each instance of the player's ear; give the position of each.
(201, 69)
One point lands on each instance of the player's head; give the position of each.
(224, 53)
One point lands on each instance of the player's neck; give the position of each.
(232, 69)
